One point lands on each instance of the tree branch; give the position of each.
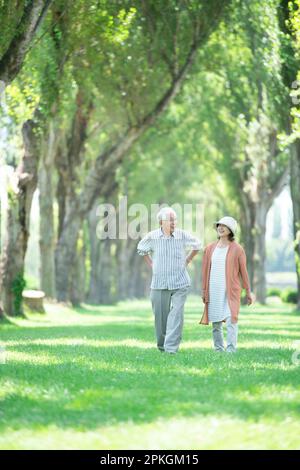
(108, 161)
(279, 185)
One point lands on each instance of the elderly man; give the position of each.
(170, 279)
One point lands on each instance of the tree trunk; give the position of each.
(123, 269)
(254, 232)
(138, 277)
(47, 235)
(70, 220)
(247, 218)
(78, 273)
(128, 269)
(106, 270)
(13, 59)
(134, 276)
(263, 181)
(101, 262)
(101, 278)
(95, 248)
(295, 194)
(259, 254)
(65, 254)
(17, 231)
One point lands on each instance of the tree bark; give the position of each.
(139, 275)
(95, 250)
(47, 233)
(128, 269)
(78, 273)
(102, 264)
(247, 218)
(66, 250)
(101, 278)
(13, 59)
(295, 194)
(123, 267)
(259, 253)
(17, 231)
(106, 272)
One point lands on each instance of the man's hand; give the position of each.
(187, 261)
(148, 260)
(191, 256)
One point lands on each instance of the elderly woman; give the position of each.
(224, 263)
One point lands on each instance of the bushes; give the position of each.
(273, 292)
(17, 287)
(289, 296)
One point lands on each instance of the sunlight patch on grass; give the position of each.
(216, 431)
(268, 393)
(30, 358)
(134, 343)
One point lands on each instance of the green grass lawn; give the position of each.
(92, 378)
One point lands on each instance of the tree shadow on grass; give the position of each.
(142, 331)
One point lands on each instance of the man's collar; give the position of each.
(162, 234)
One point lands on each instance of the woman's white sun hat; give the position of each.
(230, 222)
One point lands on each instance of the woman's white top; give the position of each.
(218, 307)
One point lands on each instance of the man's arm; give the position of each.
(191, 256)
(148, 260)
(144, 248)
(193, 243)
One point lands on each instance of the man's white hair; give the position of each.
(165, 212)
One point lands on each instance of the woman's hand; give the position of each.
(250, 299)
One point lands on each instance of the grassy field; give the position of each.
(92, 378)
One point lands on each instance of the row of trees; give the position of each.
(161, 101)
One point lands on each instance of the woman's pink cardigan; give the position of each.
(235, 269)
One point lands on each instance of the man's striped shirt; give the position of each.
(168, 255)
